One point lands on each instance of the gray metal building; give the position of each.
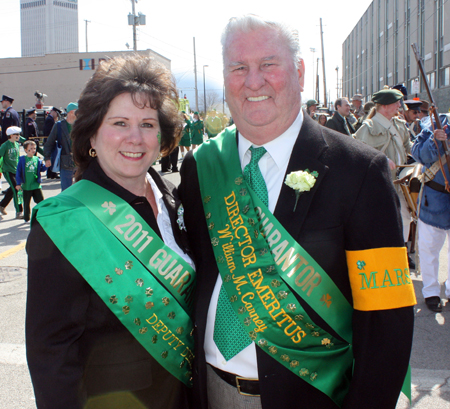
(378, 50)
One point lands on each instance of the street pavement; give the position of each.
(430, 360)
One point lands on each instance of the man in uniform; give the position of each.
(311, 108)
(61, 133)
(434, 214)
(287, 219)
(52, 117)
(10, 116)
(357, 107)
(412, 117)
(31, 127)
(340, 120)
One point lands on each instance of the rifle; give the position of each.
(433, 110)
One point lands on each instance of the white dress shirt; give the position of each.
(164, 224)
(273, 166)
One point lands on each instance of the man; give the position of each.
(412, 117)
(434, 217)
(10, 116)
(357, 107)
(339, 121)
(311, 108)
(384, 131)
(32, 130)
(344, 207)
(61, 133)
(52, 117)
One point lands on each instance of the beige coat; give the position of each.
(390, 137)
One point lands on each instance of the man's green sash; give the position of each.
(262, 266)
(143, 282)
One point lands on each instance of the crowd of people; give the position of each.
(404, 131)
(265, 277)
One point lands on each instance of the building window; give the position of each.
(446, 76)
(431, 77)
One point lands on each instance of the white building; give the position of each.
(48, 27)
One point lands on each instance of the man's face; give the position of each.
(33, 116)
(411, 115)
(356, 103)
(344, 108)
(71, 116)
(5, 104)
(262, 84)
(312, 109)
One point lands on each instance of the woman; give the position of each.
(185, 141)
(197, 131)
(322, 119)
(101, 330)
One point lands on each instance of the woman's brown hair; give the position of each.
(147, 81)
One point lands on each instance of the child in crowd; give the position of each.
(29, 176)
(9, 151)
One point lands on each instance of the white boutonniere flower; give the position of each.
(301, 181)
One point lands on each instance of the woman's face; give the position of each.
(323, 120)
(196, 117)
(127, 140)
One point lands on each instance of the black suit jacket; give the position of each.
(76, 347)
(336, 122)
(353, 206)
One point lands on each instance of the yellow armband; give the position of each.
(380, 279)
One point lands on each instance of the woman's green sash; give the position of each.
(144, 283)
(262, 266)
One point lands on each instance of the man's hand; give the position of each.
(18, 187)
(440, 134)
(48, 163)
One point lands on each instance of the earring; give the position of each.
(92, 153)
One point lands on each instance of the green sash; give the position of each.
(257, 259)
(143, 282)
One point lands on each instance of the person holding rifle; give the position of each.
(434, 206)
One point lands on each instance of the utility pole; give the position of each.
(87, 21)
(317, 82)
(135, 20)
(134, 26)
(337, 82)
(204, 88)
(313, 50)
(195, 74)
(325, 103)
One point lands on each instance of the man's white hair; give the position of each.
(251, 22)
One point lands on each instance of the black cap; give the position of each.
(56, 110)
(6, 98)
(401, 88)
(31, 111)
(412, 104)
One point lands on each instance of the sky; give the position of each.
(171, 26)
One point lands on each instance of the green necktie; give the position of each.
(229, 335)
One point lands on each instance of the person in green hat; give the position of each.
(384, 131)
(197, 131)
(311, 107)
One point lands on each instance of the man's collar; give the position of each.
(279, 148)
